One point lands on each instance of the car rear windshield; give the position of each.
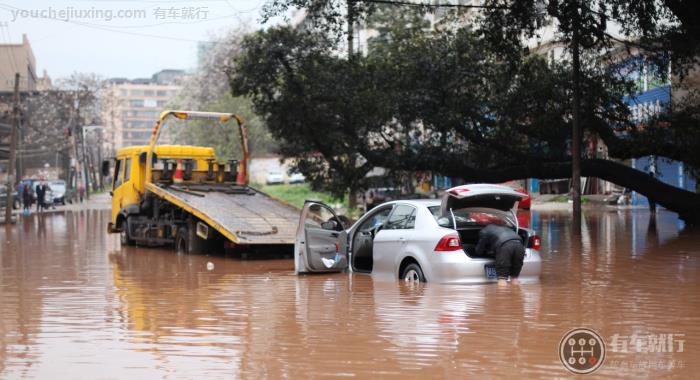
(472, 217)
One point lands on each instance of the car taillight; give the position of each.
(449, 243)
(535, 243)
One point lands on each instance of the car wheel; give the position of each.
(124, 235)
(182, 242)
(412, 274)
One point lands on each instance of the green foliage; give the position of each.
(317, 105)
(453, 100)
(420, 100)
(659, 28)
(297, 194)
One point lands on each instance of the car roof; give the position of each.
(417, 202)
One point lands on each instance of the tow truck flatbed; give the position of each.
(242, 214)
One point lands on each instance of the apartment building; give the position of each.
(133, 106)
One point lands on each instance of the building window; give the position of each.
(136, 102)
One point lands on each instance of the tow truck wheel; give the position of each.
(124, 233)
(182, 241)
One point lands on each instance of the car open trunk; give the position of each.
(470, 238)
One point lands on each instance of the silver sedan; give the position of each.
(415, 240)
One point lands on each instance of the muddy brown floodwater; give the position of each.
(74, 304)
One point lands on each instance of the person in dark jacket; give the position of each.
(507, 247)
(27, 198)
(41, 191)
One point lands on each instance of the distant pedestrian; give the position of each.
(27, 198)
(81, 192)
(507, 247)
(40, 194)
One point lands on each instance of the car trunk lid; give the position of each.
(480, 195)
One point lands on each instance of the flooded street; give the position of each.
(75, 304)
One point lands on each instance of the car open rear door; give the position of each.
(321, 241)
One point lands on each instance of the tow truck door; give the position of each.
(321, 241)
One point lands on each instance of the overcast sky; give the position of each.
(120, 38)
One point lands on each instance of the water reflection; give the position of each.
(77, 305)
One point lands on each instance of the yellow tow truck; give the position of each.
(188, 199)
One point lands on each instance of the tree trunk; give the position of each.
(685, 203)
(351, 28)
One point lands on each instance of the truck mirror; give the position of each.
(105, 168)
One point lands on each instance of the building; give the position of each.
(19, 58)
(16, 58)
(133, 106)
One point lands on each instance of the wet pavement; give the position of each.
(74, 304)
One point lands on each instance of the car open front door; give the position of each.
(321, 241)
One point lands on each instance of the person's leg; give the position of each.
(517, 258)
(503, 261)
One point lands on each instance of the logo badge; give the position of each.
(582, 351)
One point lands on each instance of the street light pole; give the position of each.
(576, 130)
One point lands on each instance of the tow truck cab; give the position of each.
(129, 174)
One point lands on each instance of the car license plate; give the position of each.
(490, 270)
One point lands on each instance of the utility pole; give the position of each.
(576, 132)
(11, 173)
(86, 164)
(99, 160)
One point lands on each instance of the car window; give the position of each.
(471, 218)
(318, 214)
(377, 219)
(403, 217)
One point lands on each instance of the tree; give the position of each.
(51, 116)
(584, 25)
(447, 102)
(310, 101)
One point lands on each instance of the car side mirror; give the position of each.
(330, 225)
(105, 168)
